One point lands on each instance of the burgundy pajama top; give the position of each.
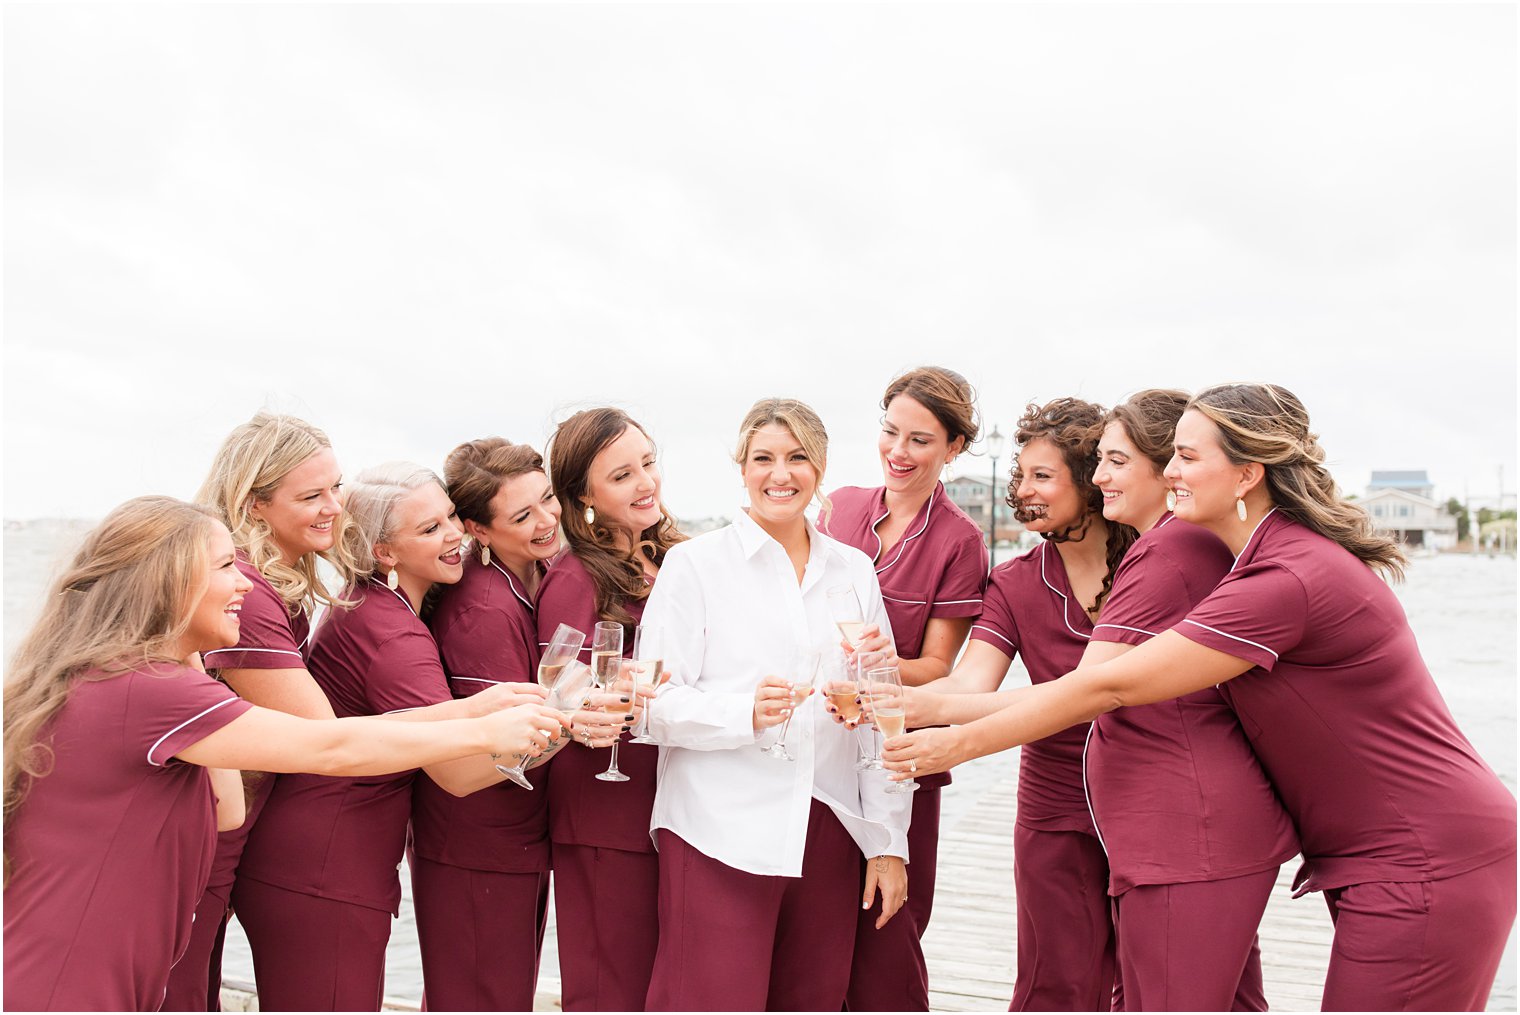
(584, 810)
(1031, 611)
(1346, 719)
(110, 850)
(486, 634)
(1175, 790)
(342, 838)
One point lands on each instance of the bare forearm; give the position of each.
(918, 672)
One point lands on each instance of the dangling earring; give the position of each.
(393, 579)
(590, 515)
(1171, 500)
(1240, 508)
(485, 555)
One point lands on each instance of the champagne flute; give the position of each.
(888, 714)
(864, 662)
(606, 664)
(562, 650)
(647, 665)
(844, 607)
(802, 686)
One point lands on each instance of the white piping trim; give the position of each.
(1243, 549)
(984, 627)
(187, 722)
(1226, 634)
(1122, 627)
(278, 651)
(398, 711)
(512, 583)
(902, 544)
(395, 593)
(479, 680)
(954, 602)
(1065, 603)
(1086, 795)
(909, 602)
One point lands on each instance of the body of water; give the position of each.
(1462, 609)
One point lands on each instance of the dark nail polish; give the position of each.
(625, 700)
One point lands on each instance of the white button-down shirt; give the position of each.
(728, 611)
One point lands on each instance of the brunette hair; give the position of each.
(249, 466)
(372, 500)
(1149, 419)
(123, 601)
(1267, 424)
(617, 574)
(946, 394)
(474, 472)
(800, 421)
(1073, 427)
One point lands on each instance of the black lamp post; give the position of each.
(994, 448)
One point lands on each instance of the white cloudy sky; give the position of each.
(416, 225)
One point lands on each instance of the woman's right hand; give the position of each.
(593, 725)
(920, 707)
(507, 695)
(525, 730)
(774, 699)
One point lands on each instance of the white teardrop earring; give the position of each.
(590, 515)
(1171, 500)
(1240, 508)
(393, 580)
(485, 555)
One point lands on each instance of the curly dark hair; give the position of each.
(1073, 427)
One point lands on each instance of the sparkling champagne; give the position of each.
(891, 721)
(853, 630)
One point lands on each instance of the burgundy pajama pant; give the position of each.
(481, 934)
(606, 905)
(1066, 935)
(735, 941)
(1192, 946)
(888, 972)
(195, 982)
(312, 954)
(1420, 945)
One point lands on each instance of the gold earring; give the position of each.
(485, 555)
(393, 579)
(1240, 508)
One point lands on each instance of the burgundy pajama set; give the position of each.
(937, 569)
(110, 851)
(606, 872)
(1065, 929)
(271, 636)
(1407, 832)
(318, 883)
(480, 863)
(1193, 830)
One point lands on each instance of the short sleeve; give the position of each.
(996, 625)
(266, 640)
(1149, 596)
(1257, 614)
(406, 673)
(484, 646)
(171, 708)
(566, 596)
(964, 582)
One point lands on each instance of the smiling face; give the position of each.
(778, 475)
(1204, 479)
(1134, 491)
(301, 510)
(913, 446)
(524, 521)
(1047, 491)
(623, 485)
(424, 544)
(214, 618)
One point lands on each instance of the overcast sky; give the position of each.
(416, 225)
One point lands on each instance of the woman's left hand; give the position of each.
(924, 752)
(889, 875)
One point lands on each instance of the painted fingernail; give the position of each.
(625, 700)
(628, 718)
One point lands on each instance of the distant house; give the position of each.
(1403, 502)
(974, 496)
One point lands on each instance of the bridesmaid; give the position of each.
(1194, 832)
(480, 864)
(1409, 834)
(275, 484)
(764, 862)
(109, 827)
(318, 884)
(932, 565)
(1042, 606)
(606, 874)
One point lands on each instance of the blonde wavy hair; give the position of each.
(1267, 424)
(801, 422)
(123, 601)
(250, 465)
(372, 500)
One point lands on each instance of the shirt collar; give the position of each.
(752, 537)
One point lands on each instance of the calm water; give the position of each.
(1462, 609)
